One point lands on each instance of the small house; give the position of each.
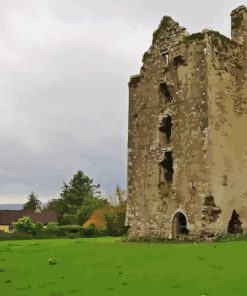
(8, 217)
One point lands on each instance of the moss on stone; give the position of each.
(225, 41)
(146, 55)
(196, 36)
(223, 38)
(165, 24)
(237, 21)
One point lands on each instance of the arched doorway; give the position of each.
(179, 225)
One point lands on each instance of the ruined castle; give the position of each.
(187, 137)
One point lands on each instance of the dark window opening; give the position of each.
(234, 225)
(179, 225)
(167, 167)
(165, 90)
(178, 60)
(166, 127)
(209, 201)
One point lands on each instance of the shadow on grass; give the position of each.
(14, 245)
(46, 284)
(23, 288)
(8, 281)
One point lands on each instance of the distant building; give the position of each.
(187, 143)
(7, 217)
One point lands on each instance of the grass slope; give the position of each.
(106, 266)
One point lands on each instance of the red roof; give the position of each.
(7, 217)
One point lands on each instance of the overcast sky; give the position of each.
(64, 71)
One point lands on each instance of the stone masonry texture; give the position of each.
(187, 138)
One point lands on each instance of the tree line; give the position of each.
(79, 199)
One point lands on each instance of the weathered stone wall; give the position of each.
(151, 205)
(198, 84)
(143, 158)
(227, 123)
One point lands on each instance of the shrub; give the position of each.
(52, 227)
(51, 230)
(70, 228)
(71, 231)
(92, 231)
(14, 236)
(115, 220)
(69, 219)
(24, 225)
(37, 228)
(227, 237)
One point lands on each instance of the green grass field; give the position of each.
(107, 266)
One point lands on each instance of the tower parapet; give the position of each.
(239, 25)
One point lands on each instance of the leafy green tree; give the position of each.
(37, 228)
(51, 229)
(115, 214)
(80, 187)
(88, 206)
(24, 225)
(33, 202)
(115, 220)
(52, 226)
(60, 206)
(78, 200)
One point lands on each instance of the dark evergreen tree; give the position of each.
(79, 188)
(33, 202)
(78, 200)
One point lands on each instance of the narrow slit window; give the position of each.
(166, 129)
(165, 91)
(167, 168)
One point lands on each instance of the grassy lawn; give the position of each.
(107, 266)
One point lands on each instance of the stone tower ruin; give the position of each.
(187, 143)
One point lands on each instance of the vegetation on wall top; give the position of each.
(166, 23)
(237, 21)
